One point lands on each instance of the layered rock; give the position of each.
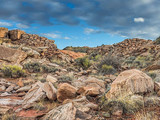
(3, 32)
(131, 82)
(11, 55)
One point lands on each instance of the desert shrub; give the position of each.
(48, 69)
(35, 67)
(9, 117)
(65, 79)
(39, 106)
(107, 69)
(94, 56)
(157, 41)
(83, 62)
(152, 74)
(12, 71)
(57, 61)
(108, 65)
(124, 103)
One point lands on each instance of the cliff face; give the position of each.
(44, 46)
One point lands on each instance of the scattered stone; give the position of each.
(24, 89)
(66, 91)
(89, 86)
(51, 79)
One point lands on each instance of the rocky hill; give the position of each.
(110, 82)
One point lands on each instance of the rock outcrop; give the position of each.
(11, 55)
(3, 32)
(131, 82)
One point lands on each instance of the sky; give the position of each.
(83, 22)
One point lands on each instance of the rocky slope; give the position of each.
(40, 82)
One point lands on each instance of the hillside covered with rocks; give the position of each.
(38, 81)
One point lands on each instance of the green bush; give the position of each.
(35, 67)
(157, 41)
(109, 65)
(107, 69)
(65, 79)
(124, 103)
(12, 71)
(83, 62)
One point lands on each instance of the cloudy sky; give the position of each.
(83, 22)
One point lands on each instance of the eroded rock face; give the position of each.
(66, 91)
(131, 82)
(15, 34)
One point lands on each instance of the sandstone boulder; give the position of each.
(11, 55)
(3, 32)
(15, 34)
(89, 86)
(131, 82)
(66, 91)
(63, 112)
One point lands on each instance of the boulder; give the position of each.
(15, 34)
(11, 55)
(50, 91)
(63, 112)
(66, 112)
(37, 92)
(66, 91)
(131, 82)
(3, 32)
(89, 86)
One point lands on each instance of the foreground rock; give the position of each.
(66, 91)
(66, 112)
(131, 82)
(39, 91)
(89, 86)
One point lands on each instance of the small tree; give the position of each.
(157, 41)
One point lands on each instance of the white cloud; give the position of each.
(67, 38)
(91, 31)
(7, 24)
(51, 35)
(22, 26)
(55, 36)
(139, 19)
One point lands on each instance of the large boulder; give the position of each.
(11, 55)
(131, 82)
(15, 34)
(3, 32)
(66, 91)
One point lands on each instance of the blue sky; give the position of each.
(83, 22)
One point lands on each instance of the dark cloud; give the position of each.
(131, 18)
